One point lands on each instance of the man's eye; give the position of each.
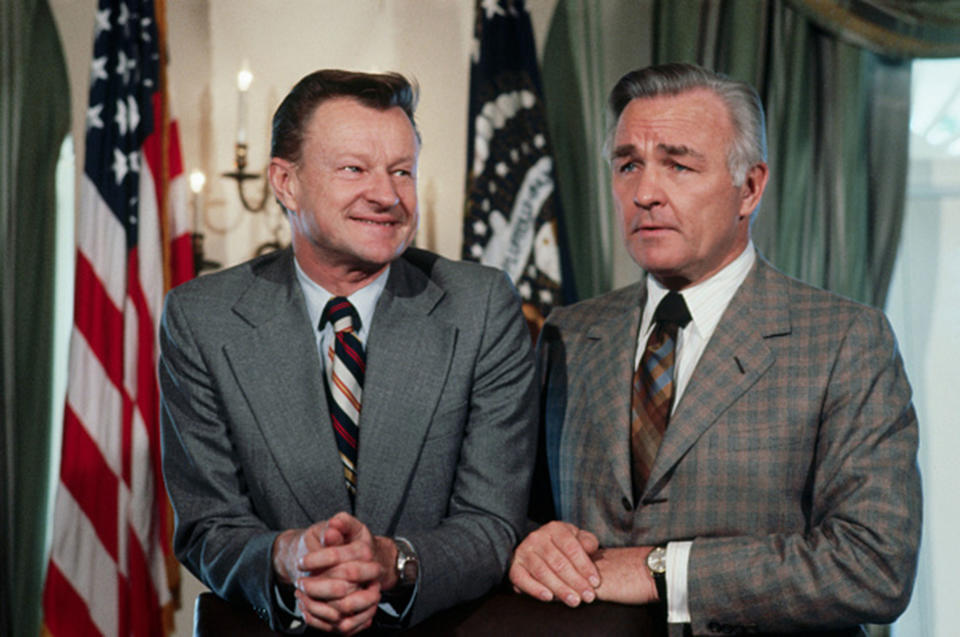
(680, 168)
(352, 169)
(627, 167)
(402, 172)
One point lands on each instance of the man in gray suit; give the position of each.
(719, 437)
(348, 425)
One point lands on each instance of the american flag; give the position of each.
(108, 568)
(512, 210)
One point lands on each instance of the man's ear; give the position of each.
(283, 178)
(752, 189)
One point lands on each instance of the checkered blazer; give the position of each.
(790, 461)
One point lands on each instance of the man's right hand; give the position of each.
(554, 562)
(334, 569)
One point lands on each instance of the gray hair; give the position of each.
(749, 146)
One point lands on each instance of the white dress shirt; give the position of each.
(364, 300)
(707, 302)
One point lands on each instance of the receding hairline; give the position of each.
(309, 133)
(380, 91)
(673, 149)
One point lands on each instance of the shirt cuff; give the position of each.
(678, 606)
(284, 602)
(398, 608)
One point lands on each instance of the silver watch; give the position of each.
(407, 565)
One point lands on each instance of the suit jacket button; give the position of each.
(627, 504)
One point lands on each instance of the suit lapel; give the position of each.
(611, 358)
(734, 359)
(409, 352)
(278, 370)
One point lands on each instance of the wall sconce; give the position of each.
(197, 181)
(244, 80)
(241, 175)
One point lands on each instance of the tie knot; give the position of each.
(341, 314)
(672, 309)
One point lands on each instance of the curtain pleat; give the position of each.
(34, 118)
(589, 46)
(837, 125)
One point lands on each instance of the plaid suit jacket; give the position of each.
(790, 461)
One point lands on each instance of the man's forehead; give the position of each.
(685, 124)
(348, 118)
(350, 108)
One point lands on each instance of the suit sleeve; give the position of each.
(855, 563)
(467, 554)
(218, 536)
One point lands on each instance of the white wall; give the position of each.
(924, 305)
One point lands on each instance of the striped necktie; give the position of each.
(653, 388)
(345, 367)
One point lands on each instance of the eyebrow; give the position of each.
(680, 151)
(671, 150)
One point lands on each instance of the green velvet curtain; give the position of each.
(837, 122)
(902, 28)
(589, 46)
(34, 119)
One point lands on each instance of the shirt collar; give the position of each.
(708, 299)
(364, 300)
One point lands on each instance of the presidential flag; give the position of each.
(108, 568)
(512, 211)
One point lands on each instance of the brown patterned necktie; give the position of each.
(653, 388)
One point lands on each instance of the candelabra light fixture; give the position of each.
(197, 181)
(241, 175)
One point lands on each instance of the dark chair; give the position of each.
(215, 617)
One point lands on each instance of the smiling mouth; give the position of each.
(378, 222)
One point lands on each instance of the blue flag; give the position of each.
(512, 211)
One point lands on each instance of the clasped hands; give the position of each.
(338, 570)
(561, 561)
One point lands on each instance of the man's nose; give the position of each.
(383, 191)
(647, 192)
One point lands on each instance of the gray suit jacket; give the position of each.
(790, 461)
(447, 430)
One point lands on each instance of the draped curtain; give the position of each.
(835, 78)
(837, 123)
(589, 46)
(34, 119)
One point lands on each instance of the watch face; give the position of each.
(657, 560)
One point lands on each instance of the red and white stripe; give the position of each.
(107, 569)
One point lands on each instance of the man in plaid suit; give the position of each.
(783, 494)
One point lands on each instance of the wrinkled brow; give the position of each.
(672, 150)
(680, 151)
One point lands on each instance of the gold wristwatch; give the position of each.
(657, 565)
